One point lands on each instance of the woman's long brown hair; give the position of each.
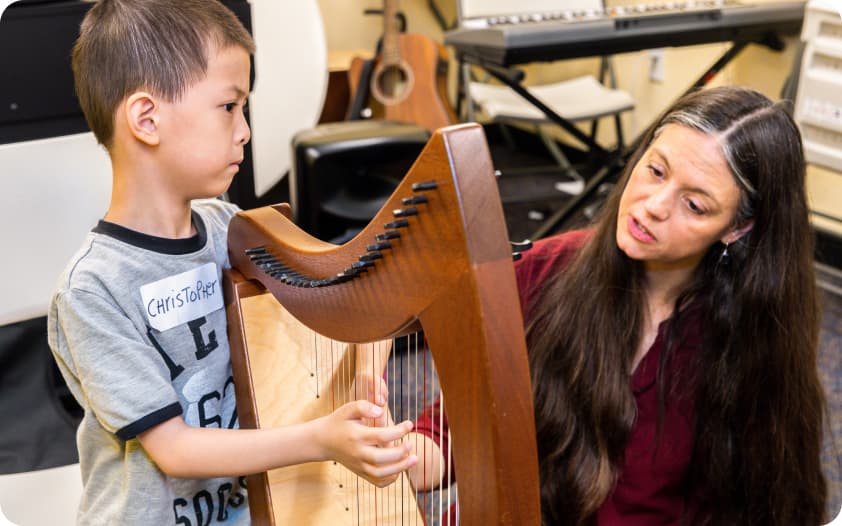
(759, 403)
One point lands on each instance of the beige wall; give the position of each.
(347, 28)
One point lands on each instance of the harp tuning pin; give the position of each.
(405, 212)
(385, 236)
(414, 200)
(521, 246)
(351, 273)
(400, 223)
(428, 185)
(255, 250)
(382, 245)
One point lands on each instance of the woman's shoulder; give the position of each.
(546, 258)
(555, 250)
(570, 241)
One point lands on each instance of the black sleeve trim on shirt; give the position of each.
(149, 421)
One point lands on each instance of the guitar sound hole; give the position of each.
(392, 83)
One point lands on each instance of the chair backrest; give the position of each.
(467, 9)
(54, 191)
(47, 496)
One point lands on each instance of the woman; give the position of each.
(673, 346)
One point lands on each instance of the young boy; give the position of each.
(137, 324)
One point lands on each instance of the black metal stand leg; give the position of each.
(723, 61)
(704, 79)
(508, 78)
(566, 212)
(611, 169)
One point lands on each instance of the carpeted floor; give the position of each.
(830, 368)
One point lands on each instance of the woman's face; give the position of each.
(680, 199)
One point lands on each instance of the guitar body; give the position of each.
(421, 71)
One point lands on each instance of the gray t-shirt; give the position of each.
(138, 328)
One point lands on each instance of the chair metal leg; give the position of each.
(577, 184)
(465, 74)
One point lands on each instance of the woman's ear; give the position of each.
(142, 117)
(738, 232)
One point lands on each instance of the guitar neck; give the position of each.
(390, 52)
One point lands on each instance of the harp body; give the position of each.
(447, 269)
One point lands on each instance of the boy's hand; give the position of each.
(369, 383)
(374, 389)
(373, 453)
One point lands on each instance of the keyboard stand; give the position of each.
(611, 163)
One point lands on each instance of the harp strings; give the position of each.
(425, 390)
(411, 382)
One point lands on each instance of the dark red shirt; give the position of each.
(652, 486)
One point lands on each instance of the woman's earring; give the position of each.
(724, 258)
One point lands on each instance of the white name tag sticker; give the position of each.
(182, 298)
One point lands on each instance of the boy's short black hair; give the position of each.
(157, 45)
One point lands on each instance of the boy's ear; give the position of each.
(738, 232)
(142, 116)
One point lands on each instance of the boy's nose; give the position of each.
(243, 134)
(245, 137)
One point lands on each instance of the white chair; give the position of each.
(580, 99)
(61, 186)
(36, 498)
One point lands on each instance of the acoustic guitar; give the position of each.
(408, 82)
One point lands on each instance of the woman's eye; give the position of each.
(230, 106)
(655, 171)
(696, 209)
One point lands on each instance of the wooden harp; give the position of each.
(436, 257)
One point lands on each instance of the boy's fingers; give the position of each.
(382, 482)
(387, 473)
(374, 389)
(385, 456)
(384, 435)
(363, 409)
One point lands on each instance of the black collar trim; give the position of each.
(162, 245)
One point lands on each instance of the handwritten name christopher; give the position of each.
(200, 291)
